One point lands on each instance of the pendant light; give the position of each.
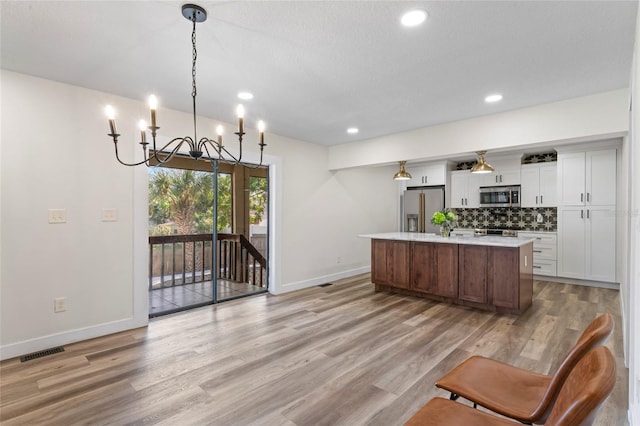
(481, 166)
(402, 174)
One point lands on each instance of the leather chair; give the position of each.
(587, 386)
(514, 392)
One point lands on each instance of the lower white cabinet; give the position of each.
(544, 252)
(587, 242)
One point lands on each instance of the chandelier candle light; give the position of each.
(195, 14)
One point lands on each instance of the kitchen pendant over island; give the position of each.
(490, 272)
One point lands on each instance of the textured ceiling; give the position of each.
(318, 67)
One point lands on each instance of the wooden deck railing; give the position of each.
(185, 259)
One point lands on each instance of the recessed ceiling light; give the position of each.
(493, 98)
(413, 18)
(352, 130)
(245, 95)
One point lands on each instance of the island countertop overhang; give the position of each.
(494, 241)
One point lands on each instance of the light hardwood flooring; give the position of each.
(336, 355)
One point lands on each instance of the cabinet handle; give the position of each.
(581, 197)
(581, 214)
(588, 197)
(537, 251)
(541, 199)
(500, 178)
(587, 213)
(536, 199)
(537, 267)
(462, 201)
(496, 178)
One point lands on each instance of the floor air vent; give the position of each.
(325, 285)
(40, 354)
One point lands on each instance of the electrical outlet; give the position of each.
(57, 215)
(59, 304)
(109, 215)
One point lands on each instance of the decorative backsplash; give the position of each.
(525, 219)
(543, 157)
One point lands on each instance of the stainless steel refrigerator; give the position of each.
(418, 206)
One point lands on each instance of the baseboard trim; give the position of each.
(13, 350)
(562, 280)
(299, 285)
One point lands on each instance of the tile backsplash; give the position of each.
(509, 217)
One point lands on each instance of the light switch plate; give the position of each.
(109, 215)
(57, 215)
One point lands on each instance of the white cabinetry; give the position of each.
(544, 252)
(587, 178)
(427, 175)
(587, 243)
(586, 215)
(538, 185)
(464, 190)
(501, 177)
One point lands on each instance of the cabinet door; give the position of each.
(379, 262)
(472, 273)
(459, 194)
(398, 263)
(473, 192)
(510, 177)
(530, 185)
(601, 177)
(548, 185)
(571, 178)
(601, 243)
(434, 269)
(571, 242)
(432, 175)
(503, 276)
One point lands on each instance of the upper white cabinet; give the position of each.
(587, 178)
(428, 175)
(538, 185)
(464, 190)
(501, 177)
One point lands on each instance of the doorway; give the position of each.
(181, 246)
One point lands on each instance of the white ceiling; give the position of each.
(318, 67)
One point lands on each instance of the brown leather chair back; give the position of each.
(587, 386)
(594, 335)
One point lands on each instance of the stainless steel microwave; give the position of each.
(500, 196)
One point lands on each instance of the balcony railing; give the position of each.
(185, 259)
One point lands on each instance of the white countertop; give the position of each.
(490, 240)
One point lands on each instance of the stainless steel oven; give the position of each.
(500, 196)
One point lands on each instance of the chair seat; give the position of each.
(500, 387)
(443, 412)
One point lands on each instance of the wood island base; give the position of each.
(496, 277)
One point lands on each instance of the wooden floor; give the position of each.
(337, 355)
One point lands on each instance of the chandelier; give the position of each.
(482, 166)
(197, 148)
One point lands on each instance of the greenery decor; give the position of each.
(445, 218)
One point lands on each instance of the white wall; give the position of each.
(56, 154)
(634, 240)
(588, 118)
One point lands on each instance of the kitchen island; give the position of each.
(490, 272)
